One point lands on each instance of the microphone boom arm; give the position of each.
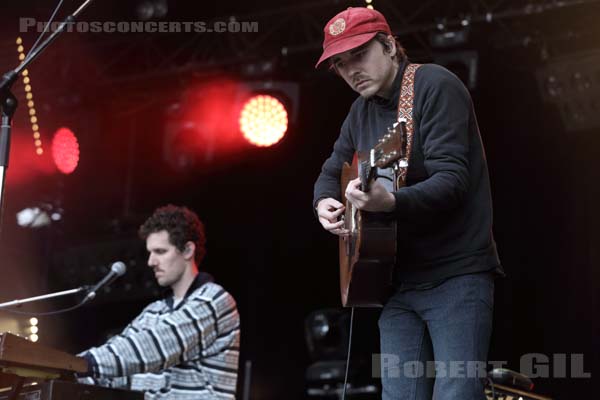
(16, 303)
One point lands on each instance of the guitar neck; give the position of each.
(367, 178)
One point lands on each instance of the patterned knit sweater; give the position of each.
(184, 351)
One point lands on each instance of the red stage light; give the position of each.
(65, 150)
(263, 120)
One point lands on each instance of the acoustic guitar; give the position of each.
(368, 253)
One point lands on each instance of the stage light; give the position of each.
(34, 329)
(147, 10)
(202, 127)
(263, 120)
(570, 86)
(161, 8)
(319, 326)
(30, 104)
(33, 217)
(144, 11)
(43, 214)
(326, 335)
(65, 150)
(215, 120)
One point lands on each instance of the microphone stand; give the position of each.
(8, 102)
(43, 297)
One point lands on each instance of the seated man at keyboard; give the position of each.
(186, 345)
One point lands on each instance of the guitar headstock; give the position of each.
(391, 147)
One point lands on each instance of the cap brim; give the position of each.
(345, 45)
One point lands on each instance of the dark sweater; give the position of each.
(445, 212)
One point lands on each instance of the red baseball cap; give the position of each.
(351, 28)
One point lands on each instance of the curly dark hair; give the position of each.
(182, 224)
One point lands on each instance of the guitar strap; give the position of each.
(405, 108)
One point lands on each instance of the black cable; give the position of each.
(38, 314)
(46, 29)
(348, 358)
(491, 383)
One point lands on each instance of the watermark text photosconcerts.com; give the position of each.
(32, 25)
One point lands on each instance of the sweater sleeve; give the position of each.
(328, 182)
(180, 336)
(444, 114)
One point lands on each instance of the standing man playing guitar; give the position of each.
(441, 290)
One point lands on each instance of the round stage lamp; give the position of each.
(65, 150)
(263, 120)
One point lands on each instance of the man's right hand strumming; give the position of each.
(329, 211)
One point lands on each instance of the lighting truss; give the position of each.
(283, 32)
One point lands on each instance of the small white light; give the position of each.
(33, 321)
(33, 217)
(34, 337)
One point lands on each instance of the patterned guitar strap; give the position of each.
(405, 108)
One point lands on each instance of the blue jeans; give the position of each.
(434, 342)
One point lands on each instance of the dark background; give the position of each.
(264, 244)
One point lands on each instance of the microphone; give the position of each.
(116, 270)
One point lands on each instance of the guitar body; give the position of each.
(368, 254)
